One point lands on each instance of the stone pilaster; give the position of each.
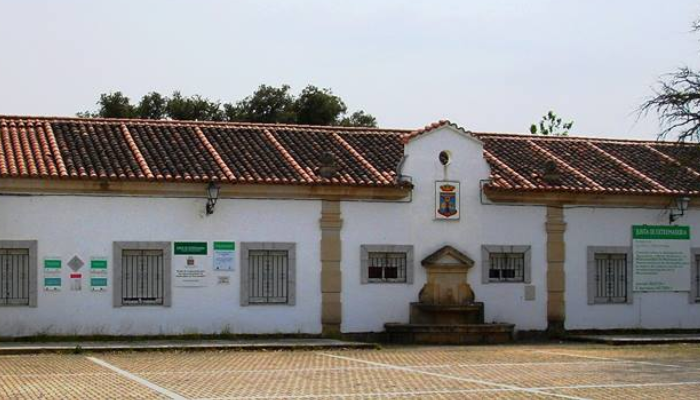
(331, 279)
(556, 256)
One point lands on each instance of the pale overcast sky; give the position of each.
(489, 65)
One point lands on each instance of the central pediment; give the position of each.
(448, 256)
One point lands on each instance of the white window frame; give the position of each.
(31, 246)
(366, 249)
(487, 250)
(591, 272)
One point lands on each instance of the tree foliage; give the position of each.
(268, 104)
(676, 101)
(551, 125)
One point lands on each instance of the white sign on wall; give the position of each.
(661, 258)
(189, 260)
(447, 200)
(224, 256)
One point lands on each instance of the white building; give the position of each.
(104, 229)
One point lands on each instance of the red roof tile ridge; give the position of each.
(527, 136)
(673, 160)
(406, 137)
(53, 145)
(233, 124)
(360, 158)
(140, 159)
(20, 167)
(628, 168)
(28, 145)
(217, 157)
(510, 170)
(290, 159)
(566, 165)
(7, 165)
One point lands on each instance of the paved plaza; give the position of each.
(568, 371)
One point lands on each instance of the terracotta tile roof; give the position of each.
(180, 151)
(589, 165)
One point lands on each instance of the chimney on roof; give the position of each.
(551, 174)
(328, 167)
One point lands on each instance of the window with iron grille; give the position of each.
(18, 270)
(268, 279)
(505, 263)
(609, 275)
(386, 267)
(142, 273)
(611, 278)
(14, 277)
(268, 273)
(507, 267)
(386, 263)
(697, 278)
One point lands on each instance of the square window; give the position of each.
(268, 273)
(505, 264)
(387, 264)
(142, 274)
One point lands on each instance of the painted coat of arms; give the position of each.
(447, 200)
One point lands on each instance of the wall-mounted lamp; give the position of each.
(212, 196)
(680, 204)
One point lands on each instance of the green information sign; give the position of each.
(98, 264)
(661, 258)
(52, 264)
(191, 248)
(661, 232)
(98, 282)
(224, 245)
(50, 282)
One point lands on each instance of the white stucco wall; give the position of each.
(367, 307)
(613, 227)
(65, 226)
(87, 226)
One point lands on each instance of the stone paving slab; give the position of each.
(542, 371)
(7, 348)
(638, 339)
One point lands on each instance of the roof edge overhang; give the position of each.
(655, 200)
(199, 190)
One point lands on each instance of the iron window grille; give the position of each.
(14, 277)
(697, 278)
(268, 276)
(143, 277)
(387, 267)
(507, 267)
(610, 278)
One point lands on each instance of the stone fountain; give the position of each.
(447, 312)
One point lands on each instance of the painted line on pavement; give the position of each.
(367, 368)
(135, 378)
(453, 377)
(456, 391)
(557, 353)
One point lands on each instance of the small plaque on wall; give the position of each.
(447, 200)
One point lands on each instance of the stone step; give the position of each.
(449, 334)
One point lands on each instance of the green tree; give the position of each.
(316, 106)
(551, 125)
(152, 106)
(359, 118)
(267, 104)
(115, 105)
(193, 108)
